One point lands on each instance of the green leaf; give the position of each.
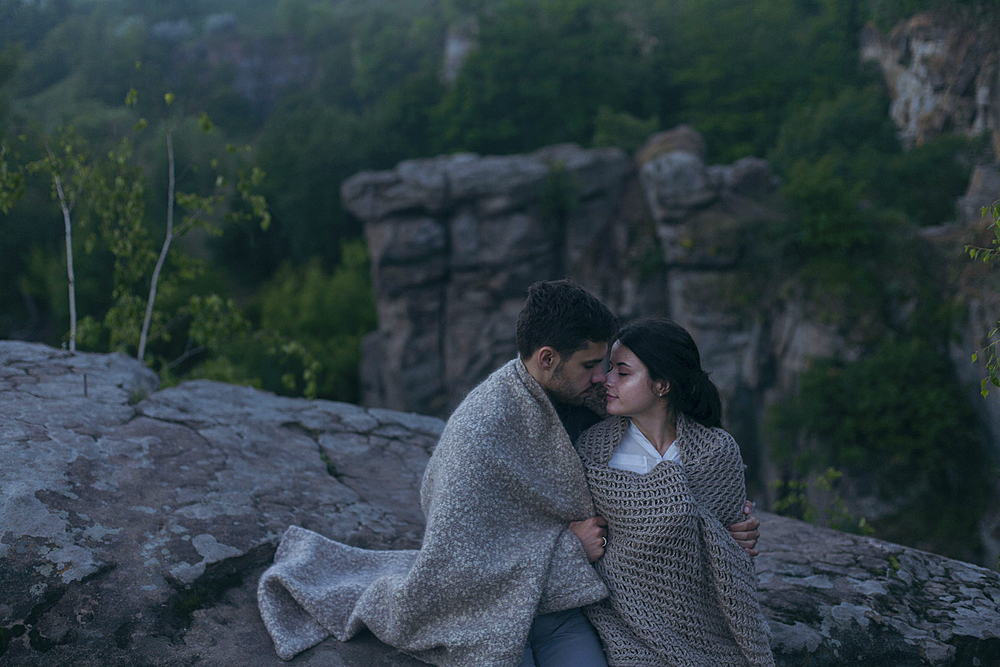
(205, 123)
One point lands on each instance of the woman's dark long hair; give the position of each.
(670, 355)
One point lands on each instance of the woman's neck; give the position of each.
(659, 426)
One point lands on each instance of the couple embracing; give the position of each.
(545, 546)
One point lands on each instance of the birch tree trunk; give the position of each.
(140, 353)
(64, 205)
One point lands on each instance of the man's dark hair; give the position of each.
(564, 316)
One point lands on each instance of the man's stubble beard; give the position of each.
(597, 400)
(561, 391)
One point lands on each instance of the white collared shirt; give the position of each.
(636, 453)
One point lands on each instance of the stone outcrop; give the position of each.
(871, 602)
(459, 43)
(135, 523)
(943, 75)
(456, 240)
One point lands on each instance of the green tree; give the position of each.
(11, 182)
(896, 421)
(112, 193)
(739, 67)
(329, 314)
(989, 255)
(69, 167)
(621, 129)
(309, 149)
(541, 72)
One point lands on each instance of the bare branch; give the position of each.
(184, 357)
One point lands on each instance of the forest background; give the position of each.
(279, 102)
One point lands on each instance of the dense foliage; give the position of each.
(898, 424)
(325, 88)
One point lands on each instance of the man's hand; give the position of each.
(745, 533)
(592, 536)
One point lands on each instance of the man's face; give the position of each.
(575, 378)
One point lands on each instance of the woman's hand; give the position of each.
(745, 532)
(592, 536)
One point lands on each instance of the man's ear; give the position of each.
(546, 358)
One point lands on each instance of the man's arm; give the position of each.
(745, 532)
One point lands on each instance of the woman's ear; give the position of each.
(661, 388)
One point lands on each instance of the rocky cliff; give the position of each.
(134, 525)
(943, 73)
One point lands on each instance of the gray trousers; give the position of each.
(563, 639)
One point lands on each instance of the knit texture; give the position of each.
(499, 492)
(681, 591)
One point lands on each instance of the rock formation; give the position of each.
(943, 76)
(456, 240)
(135, 523)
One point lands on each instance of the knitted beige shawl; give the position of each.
(499, 492)
(681, 591)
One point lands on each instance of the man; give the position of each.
(505, 563)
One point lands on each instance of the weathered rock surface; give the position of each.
(134, 527)
(838, 599)
(134, 533)
(943, 75)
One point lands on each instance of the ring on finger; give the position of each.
(604, 542)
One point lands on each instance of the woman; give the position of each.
(668, 480)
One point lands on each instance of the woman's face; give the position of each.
(631, 392)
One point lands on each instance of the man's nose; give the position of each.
(600, 377)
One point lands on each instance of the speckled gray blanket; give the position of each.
(500, 490)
